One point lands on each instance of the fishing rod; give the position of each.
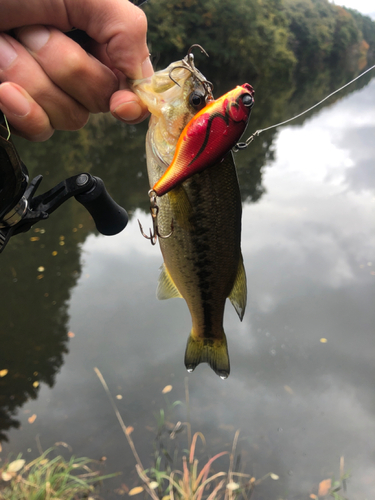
(20, 209)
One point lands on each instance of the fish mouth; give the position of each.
(171, 83)
(159, 89)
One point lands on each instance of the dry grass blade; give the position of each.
(229, 493)
(216, 489)
(127, 434)
(193, 445)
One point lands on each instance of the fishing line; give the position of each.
(249, 140)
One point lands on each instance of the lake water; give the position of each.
(301, 388)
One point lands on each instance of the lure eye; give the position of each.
(247, 100)
(197, 100)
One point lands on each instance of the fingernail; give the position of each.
(14, 102)
(34, 38)
(7, 53)
(147, 69)
(128, 111)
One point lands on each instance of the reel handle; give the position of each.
(108, 216)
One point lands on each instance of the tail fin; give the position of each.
(211, 351)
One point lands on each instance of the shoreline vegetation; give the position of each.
(178, 470)
(277, 39)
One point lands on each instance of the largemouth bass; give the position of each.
(202, 257)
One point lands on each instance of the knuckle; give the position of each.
(141, 22)
(73, 64)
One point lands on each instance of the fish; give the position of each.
(203, 262)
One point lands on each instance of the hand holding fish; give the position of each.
(49, 82)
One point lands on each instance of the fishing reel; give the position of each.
(20, 210)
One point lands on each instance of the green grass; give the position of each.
(47, 478)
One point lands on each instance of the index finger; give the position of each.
(121, 26)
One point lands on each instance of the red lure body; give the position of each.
(208, 137)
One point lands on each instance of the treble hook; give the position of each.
(154, 233)
(188, 63)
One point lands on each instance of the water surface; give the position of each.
(301, 387)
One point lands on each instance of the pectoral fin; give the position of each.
(211, 351)
(238, 295)
(166, 287)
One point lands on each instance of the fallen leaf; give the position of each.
(32, 419)
(129, 430)
(5, 476)
(35, 384)
(252, 480)
(3, 372)
(34, 238)
(71, 335)
(54, 253)
(314, 497)
(273, 476)
(167, 389)
(324, 487)
(40, 269)
(323, 340)
(118, 396)
(233, 486)
(16, 465)
(135, 491)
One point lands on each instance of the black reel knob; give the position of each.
(108, 216)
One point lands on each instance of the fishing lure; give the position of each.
(208, 137)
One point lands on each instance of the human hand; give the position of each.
(51, 83)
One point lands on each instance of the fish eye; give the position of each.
(197, 100)
(247, 100)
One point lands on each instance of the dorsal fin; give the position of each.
(238, 295)
(166, 288)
